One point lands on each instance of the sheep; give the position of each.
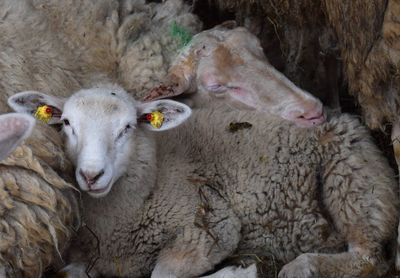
(39, 207)
(62, 46)
(213, 74)
(322, 200)
(359, 39)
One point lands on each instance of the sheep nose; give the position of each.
(313, 111)
(91, 177)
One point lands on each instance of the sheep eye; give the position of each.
(124, 131)
(66, 122)
(127, 127)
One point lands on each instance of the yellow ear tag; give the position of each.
(156, 119)
(44, 113)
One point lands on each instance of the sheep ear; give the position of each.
(163, 114)
(28, 102)
(14, 128)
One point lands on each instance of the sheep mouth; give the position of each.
(100, 192)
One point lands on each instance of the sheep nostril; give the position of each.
(101, 173)
(91, 177)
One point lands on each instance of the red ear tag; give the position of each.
(149, 117)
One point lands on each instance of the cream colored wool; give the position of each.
(39, 208)
(322, 200)
(62, 46)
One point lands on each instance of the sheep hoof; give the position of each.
(302, 267)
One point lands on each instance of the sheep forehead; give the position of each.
(224, 35)
(205, 38)
(101, 103)
(237, 42)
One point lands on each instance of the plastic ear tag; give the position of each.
(44, 113)
(156, 119)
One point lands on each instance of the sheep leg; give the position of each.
(348, 264)
(197, 251)
(396, 150)
(213, 236)
(193, 254)
(358, 195)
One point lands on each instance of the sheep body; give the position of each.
(273, 188)
(358, 38)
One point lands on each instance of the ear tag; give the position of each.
(44, 113)
(156, 119)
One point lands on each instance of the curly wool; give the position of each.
(62, 46)
(270, 188)
(39, 209)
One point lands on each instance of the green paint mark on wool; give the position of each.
(180, 33)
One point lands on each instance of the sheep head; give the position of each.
(99, 126)
(230, 64)
(14, 128)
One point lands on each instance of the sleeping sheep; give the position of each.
(323, 43)
(229, 77)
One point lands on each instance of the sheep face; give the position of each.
(14, 128)
(99, 126)
(233, 67)
(230, 64)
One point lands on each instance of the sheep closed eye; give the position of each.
(216, 88)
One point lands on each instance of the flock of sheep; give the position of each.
(247, 162)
